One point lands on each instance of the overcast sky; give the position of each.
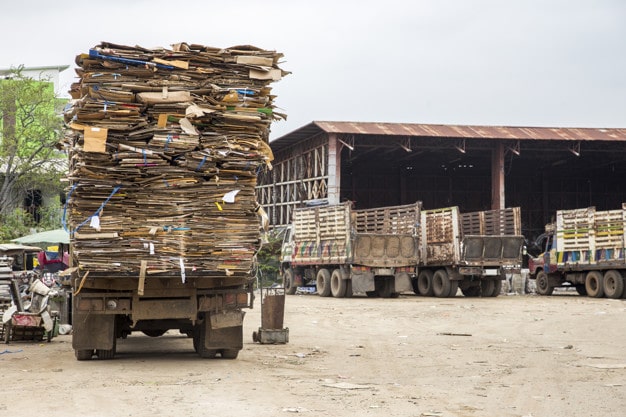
(485, 62)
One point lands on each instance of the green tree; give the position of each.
(30, 128)
(268, 258)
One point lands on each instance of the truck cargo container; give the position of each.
(471, 251)
(583, 249)
(342, 251)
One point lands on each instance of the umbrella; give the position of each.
(50, 236)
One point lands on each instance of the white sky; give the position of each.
(555, 63)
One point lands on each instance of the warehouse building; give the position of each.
(539, 169)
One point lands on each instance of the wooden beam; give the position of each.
(334, 169)
(497, 177)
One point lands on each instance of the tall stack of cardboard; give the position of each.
(164, 148)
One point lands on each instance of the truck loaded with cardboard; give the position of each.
(388, 250)
(584, 248)
(164, 147)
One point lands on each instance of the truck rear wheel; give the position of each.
(613, 284)
(154, 332)
(454, 287)
(425, 283)
(83, 354)
(487, 287)
(593, 284)
(337, 284)
(323, 282)
(471, 290)
(580, 289)
(105, 354)
(290, 287)
(543, 284)
(441, 283)
(199, 338)
(497, 287)
(385, 288)
(229, 353)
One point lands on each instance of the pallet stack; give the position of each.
(164, 148)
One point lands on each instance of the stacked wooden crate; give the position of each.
(164, 147)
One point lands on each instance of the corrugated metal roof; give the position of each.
(449, 131)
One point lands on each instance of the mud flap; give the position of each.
(363, 282)
(403, 283)
(93, 331)
(224, 330)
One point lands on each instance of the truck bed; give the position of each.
(483, 238)
(379, 237)
(586, 237)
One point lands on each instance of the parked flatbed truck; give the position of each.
(471, 251)
(342, 251)
(583, 249)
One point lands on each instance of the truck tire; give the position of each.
(83, 354)
(454, 287)
(471, 290)
(416, 290)
(322, 282)
(385, 287)
(594, 284)
(441, 283)
(199, 338)
(543, 284)
(613, 284)
(229, 353)
(154, 332)
(497, 287)
(290, 287)
(105, 354)
(349, 288)
(487, 287)
(425, 283)
(337, 284)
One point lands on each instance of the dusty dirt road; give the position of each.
(507, 356)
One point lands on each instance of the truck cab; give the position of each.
(541, 255)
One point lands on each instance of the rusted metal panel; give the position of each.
(469, 131)
(440, 236)
(387, 236)
(177, 308)
(316, 128)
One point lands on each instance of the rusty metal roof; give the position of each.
(449, 131)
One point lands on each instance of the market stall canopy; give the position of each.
(50, 236)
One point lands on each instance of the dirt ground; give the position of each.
(517, 355)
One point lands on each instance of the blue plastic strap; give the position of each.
(104, 203)
(201, 164)
(67, 200)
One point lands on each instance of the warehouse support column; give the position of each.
(334, 169)
(497, 177)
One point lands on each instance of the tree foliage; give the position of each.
(19, 222)
(30, 130)
(268, 257)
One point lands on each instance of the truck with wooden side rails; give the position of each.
(471, 251)
(584, 248)
(341, 251)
